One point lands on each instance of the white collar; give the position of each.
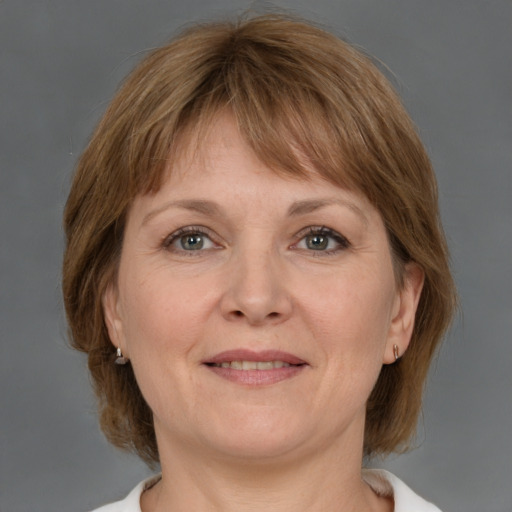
(382, 482)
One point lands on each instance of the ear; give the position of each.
(404, 312)
(110, 303)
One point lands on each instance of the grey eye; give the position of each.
(322, 240)
(190, 239)
(317, 242)
(192, 242)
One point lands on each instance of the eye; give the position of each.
(190, 239)
(322, 239)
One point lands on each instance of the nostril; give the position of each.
(239, 314)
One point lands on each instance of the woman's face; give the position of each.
(256, 310)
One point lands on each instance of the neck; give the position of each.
(324, 481)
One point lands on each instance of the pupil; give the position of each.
(192, 242)
(317, 242)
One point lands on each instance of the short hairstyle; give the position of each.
(302, 98)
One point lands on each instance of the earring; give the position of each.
(396, 352)
(120, 359)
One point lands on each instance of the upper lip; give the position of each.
(251, 355)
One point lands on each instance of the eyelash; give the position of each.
(341, 241)
(188, 230)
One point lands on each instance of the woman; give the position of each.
(253, 237)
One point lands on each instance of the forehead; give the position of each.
(222, 167)
(222, 157)
(206, 145)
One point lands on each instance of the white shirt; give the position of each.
(382, 482)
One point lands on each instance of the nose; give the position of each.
(256, 288)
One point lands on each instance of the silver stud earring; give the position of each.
(120, 359)
(396, 352)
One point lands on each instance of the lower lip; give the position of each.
(257, 377)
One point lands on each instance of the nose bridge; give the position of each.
(257, 289)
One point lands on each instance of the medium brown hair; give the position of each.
(298, 94)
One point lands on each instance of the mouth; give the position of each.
(255, 368)
(252, 365)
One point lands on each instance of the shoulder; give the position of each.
(385, 483)
(132, 502)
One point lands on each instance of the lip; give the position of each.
(251, 355)
(256, 377)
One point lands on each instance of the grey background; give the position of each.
(60, 63)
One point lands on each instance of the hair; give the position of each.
(302, 98)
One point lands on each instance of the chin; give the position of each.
(258, 437)
(256, 449)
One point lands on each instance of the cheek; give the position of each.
(162, 323)
(350, 315)
(161, 313)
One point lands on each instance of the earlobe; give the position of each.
(112, 318)
(404, 313)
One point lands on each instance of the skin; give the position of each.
(259, 279)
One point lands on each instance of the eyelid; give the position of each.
(343, 241)
(189, 230)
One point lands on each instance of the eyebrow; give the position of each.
(197, 205)
(298, 208)
(304, 207)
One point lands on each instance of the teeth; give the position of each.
(265, 366)
(252, 365)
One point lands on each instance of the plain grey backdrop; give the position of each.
(60, 64)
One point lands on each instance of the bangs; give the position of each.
(295, 119)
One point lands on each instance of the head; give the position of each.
(301, 99)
